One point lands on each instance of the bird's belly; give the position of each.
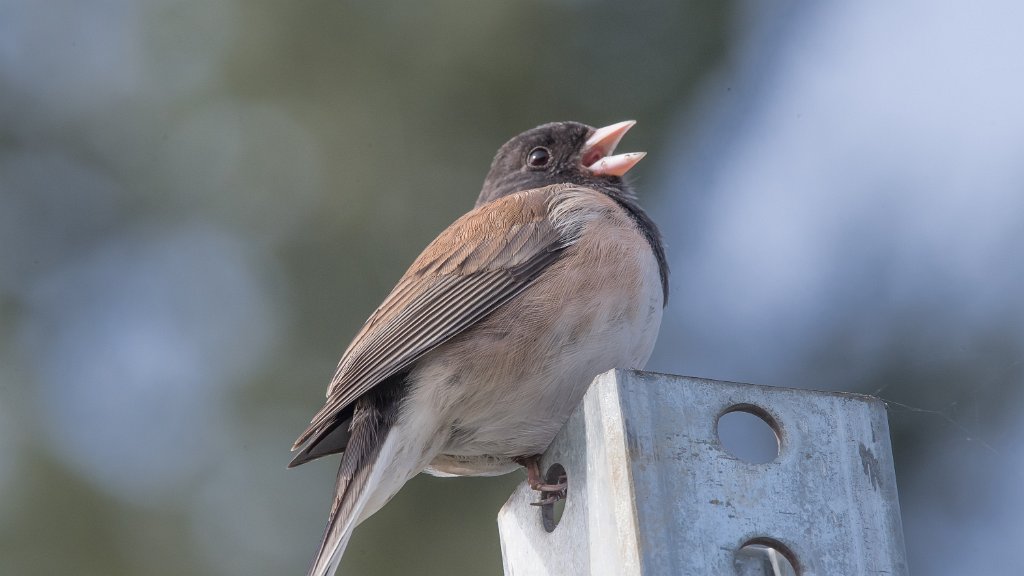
(512, 381)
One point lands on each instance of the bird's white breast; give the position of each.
(505, 387)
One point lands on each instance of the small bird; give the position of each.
(485, 346)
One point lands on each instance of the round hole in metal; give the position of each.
(551, 514)
(749, 433)
(765, 557)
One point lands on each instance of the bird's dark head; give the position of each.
(558, 153)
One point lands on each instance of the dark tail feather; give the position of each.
(342, 520)
(369, 450)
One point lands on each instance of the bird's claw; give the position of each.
(550, 493)
(554, 497)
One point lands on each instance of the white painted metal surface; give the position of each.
(652, 491)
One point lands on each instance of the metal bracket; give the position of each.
(652, 490)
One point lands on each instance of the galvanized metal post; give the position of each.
(652, 491)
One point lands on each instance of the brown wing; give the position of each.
(481, 261)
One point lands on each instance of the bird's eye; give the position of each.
(538, 157)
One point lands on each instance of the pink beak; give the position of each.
(596, 151)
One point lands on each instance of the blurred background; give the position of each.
(200, 202)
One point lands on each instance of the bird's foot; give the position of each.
(550, 493)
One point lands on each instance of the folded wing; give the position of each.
(477, 264)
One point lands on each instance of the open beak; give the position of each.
(596, 155)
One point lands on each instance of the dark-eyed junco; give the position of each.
(477, 357)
